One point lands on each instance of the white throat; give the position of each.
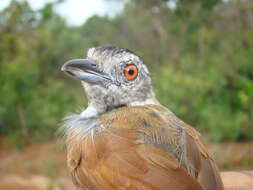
(93, 111)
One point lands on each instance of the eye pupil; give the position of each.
(131, 72)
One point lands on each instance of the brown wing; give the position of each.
(207, 171)
(142, 148)
(197, 159)
(115, 159)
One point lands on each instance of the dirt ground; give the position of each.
(43, 166)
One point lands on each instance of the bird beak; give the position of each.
(85, 70)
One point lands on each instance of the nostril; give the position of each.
(94, 65)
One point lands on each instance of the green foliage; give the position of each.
(199, 54)
(33, 98)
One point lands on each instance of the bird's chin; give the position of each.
(88, 86)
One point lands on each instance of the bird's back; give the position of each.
(140, 148)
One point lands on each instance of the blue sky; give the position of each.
(77, 11)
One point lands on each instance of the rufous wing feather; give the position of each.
(142, 148)
(126, 163)
(199, 158)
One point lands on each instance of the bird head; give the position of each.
(112, 77)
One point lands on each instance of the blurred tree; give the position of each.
(32, 97)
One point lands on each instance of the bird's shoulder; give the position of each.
(155, 124)
(139, 147)
(148, 117)
(118, 157)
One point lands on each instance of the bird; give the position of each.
(125, 139)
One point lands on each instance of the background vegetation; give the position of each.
(200, 54)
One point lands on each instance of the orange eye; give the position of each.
(131, 72)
